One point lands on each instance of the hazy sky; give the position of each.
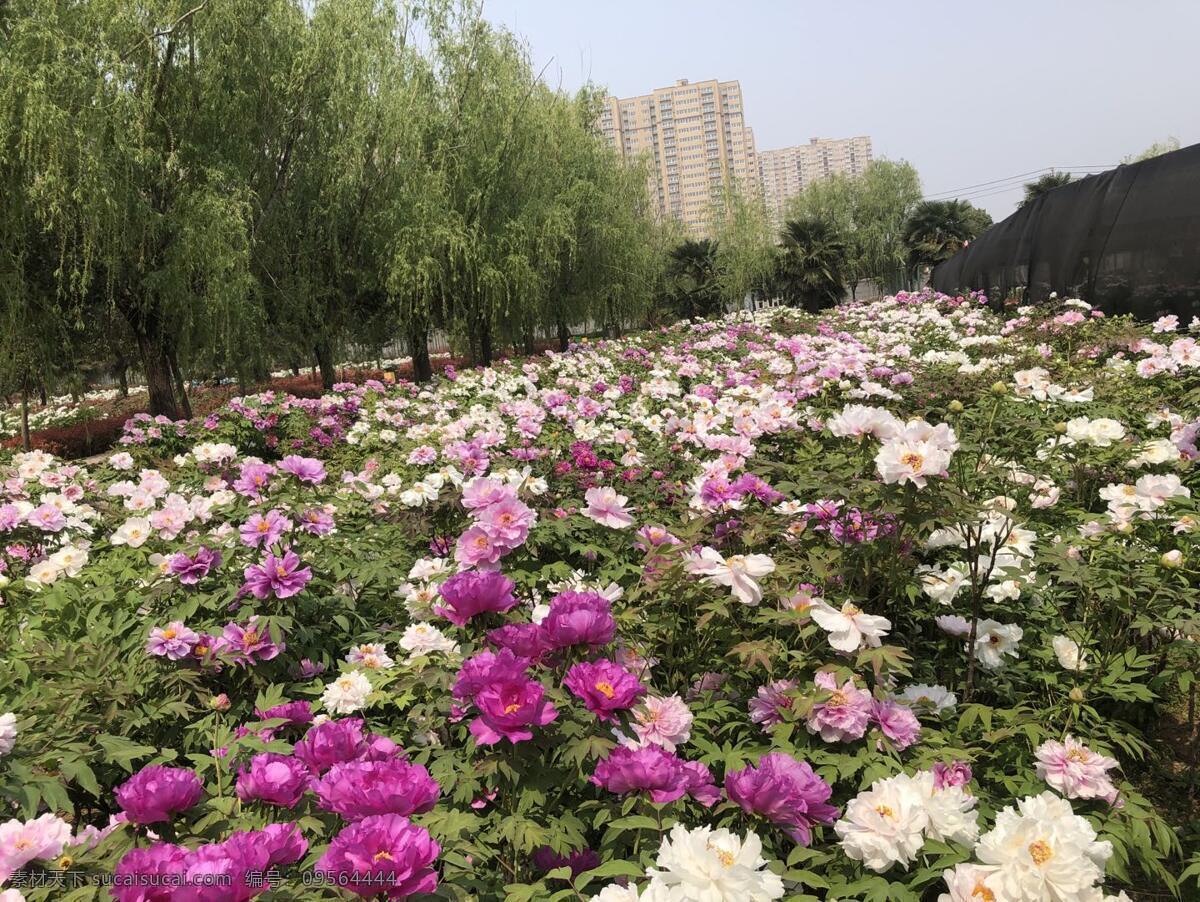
(969, 92)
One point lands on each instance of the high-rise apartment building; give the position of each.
(786, 172)
(697, 140)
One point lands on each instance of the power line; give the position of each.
(1087, 170)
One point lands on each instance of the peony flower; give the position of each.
(654, 770)
(578, 618)
(950, 809)
(842, 717)
(911, 461)
(896, 722)
(666, 722)
(263, 531)
(885, 824)
(849, 628)
(969, 883)
(347, 694)
(274, 779)
(247, 643)
(21, 842)
(359, 789)
(785, 791)
(738, 572)
(713, 865)
(509, 709)
(471, 593)
(1070, 656)
(933, 698)
(8, 732)
(770, 701)
(607, 508)
(383, 853)
(155, 793)
(487, 669)
(190, 569)
(426, 639)
(993, 641)
(278, 576)
(1071, 768)
(306, 469)
(956, 773)
(604, 687)
(174, 641)
(1043, 850)
(331, 742)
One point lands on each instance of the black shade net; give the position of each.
(1125, 241)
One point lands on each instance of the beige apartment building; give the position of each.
(786, 172)
(696, 138)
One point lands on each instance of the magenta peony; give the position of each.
(578, 618)
(471, 593)
(156, 792)
(359, 789)
(275, 779)
(786, 792)
(605, 687)
(655, 771)
(381, 853)
(509, 710)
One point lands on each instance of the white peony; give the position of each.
(970, 883)
(943, 585)
(994, 640)
(935, 698)
(1043, 851)
(347, 694)
(8, 732)
(133, 532)
(738, 572)
(1069, 655)
(951, 811)
(849, 628)
(713, 865)
(425, 638)
(885, 824)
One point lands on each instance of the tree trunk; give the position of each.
(295, 367)
(42, 393)
(418, 349)
(24, 419)
(185, 405)
(564, 336)
(529, 343)
(325, 361)
(485, 341)
(123, 377)
(159, 383)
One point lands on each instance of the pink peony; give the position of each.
(607, 508)
(844, 715)
(1071, 768)
(663, 721)
(578, 618)
(279, 576)
(656, 771)
(508, 710)
(174, 641)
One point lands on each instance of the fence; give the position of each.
(1126, 241)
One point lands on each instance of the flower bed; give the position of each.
(882, 604)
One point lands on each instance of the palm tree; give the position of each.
(693, 273)
(812, 264)
(1044, 185)
(936, 230)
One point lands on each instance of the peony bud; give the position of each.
(219, 702)
(1060, 428)
(956, 406)
(1172, 559)
(1076, 694)
(999, 388)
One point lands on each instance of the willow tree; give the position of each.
(150, 158)
(746, 248)
(868, 213)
